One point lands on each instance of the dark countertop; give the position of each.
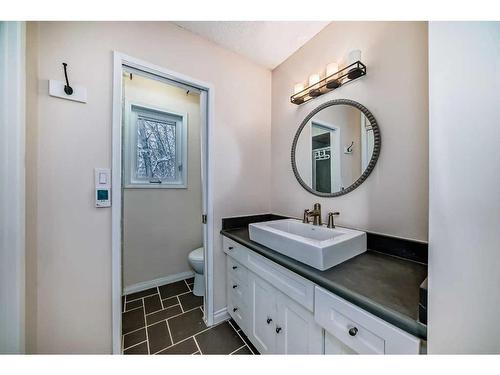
(384, 285)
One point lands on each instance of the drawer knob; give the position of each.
(353, 331)
(235, 286)
(234, 267)
(269, 320)
(278, 329)
(230, 248)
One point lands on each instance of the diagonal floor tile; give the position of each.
(170, 302)
(190, 301)
(163, 314)
(138, 349)
(141, 294)
(187, 324)
(134, 338)
(221, 339)
(243, 350)
(132, 320)
(186, 347)
(173, 289)
(158, 337)
(152, 304)
(133, 305)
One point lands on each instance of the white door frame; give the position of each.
(12, 186)
(207, 116)
(336, 172)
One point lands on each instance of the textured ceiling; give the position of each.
(268, 43)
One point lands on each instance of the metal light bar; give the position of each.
(332, 82)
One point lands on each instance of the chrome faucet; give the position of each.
(315, 214)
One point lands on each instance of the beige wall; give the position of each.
(394, 199)
(31, 184)
(464, 207)
(72, 252)
(161, 226)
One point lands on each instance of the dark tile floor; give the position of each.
(169, 320)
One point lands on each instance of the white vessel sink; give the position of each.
(317, 246)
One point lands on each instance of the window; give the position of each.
(155, 149)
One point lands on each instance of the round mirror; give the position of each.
(335, 148)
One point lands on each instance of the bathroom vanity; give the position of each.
(367, 305)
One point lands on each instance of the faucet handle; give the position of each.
(305, 218)
(331, 222)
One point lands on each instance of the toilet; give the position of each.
(197, 262)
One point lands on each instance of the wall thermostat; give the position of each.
(102, 178)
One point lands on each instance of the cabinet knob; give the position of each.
(235, 286)
(230, 248)
(269, 320)
(234, 267)
(235, 309)
(278, 329)
(353, 331)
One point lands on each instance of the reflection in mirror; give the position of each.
(334, 148)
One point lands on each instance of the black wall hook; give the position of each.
(349, 149)
(67, 88)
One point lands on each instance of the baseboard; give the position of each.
(221, 315)
(157, 282)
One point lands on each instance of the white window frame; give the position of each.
(130, 153)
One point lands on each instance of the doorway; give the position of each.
(326, 165)
(161, 189)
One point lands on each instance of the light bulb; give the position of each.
(298, 88)
(313, 79)
(332, 68)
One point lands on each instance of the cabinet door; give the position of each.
(296, 330)
(335, 346)
(263, 311)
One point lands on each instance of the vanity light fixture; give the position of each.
(314, 89)
(355, 72)
(332, 80)
(299, 87)
(331, 71)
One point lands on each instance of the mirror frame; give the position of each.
(371, 164)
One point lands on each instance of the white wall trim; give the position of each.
(12, 186)
(221, 315)
(157, 282)
(207, 95)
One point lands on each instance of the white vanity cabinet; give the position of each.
(284, 313)
(358, 330)
(278, 324)
(275, 322)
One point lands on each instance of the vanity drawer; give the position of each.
(236, 289)
(360, 330)
(238, 312)
(236, 271)
(296, 287)
(234, 249)
(289, 283)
